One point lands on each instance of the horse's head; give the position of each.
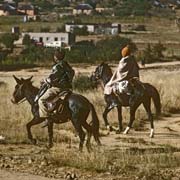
(19, 91)
(97, 74)
(103, 72)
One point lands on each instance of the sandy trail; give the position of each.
(6, 175)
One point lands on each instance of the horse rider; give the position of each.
(58, 81)
(127, 69)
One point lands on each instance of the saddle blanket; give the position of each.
(121, 87)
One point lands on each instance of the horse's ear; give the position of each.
(29, 79)
(102, 63)
(17, 80)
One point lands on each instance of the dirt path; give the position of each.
(6, 175)
(167, 133)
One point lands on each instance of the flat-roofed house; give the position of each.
(7, 9)
(108, 28)
(82, 9)
(69, 27)
(27, 9)
(66, 38)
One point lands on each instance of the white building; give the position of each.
(108, 28)
(69, 27)
(66, 38)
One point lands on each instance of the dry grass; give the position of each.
(13, 119)
(16, 116)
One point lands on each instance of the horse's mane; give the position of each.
(107, 68)
(33, 88)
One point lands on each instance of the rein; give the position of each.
(23, 100)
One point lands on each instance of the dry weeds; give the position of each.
(129, 156)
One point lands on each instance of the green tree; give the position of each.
(81, 31)
(158, 50)
(44, 5)
(148, 54)
(91, 2)
(8, 40)
(133, 7)
(26, 40)
(110, 48)
(63, 3)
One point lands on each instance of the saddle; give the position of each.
(128, 86)
(133, 88)
(57, 104)
(136, 85)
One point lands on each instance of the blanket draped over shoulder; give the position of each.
(127, 69)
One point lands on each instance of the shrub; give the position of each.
(158, 51)
(83, 83)
(8, 40)
(81, 31)
(26, 40)
(154, 53)
(45, 29)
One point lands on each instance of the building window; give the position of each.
(47, 38)
(62, 38)
(40, 39)
(55, 39)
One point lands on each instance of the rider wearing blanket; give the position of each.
(127, 69)
(58, 81)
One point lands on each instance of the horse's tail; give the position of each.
(156, 99)
(95, 124)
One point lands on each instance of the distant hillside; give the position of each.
(165, 8)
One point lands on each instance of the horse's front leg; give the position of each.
(50, 133)
(33, 122)
(119, 109)
(105, 113)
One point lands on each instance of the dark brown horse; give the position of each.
(76, 109)
(103, 72)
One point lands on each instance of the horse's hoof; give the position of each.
(49, 146)
(110, 128)
(34, 141)
(152, 133)
(118, 131)
(126, 130)
(114, 128)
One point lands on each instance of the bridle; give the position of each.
(21, 101)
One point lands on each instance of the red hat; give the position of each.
(125, 51)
